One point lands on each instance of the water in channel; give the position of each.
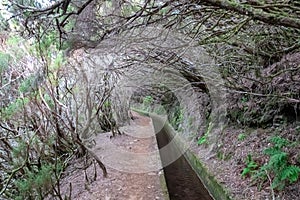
(182, 181)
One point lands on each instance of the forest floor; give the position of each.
(230, 160)
(124, 181)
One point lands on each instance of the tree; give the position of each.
(255, 34)
(255, 45)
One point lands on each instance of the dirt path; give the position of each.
(133, 165)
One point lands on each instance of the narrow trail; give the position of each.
(130, 159)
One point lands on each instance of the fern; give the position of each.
(279, 142)
(278, 165)
(278, 161)
(291, 173)
(250, 168)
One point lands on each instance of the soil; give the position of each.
(121, 183)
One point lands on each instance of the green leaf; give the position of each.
(272, 151)
(26, 85)
(202, 139)
(245, 171)
(252, 165)
(278, 161)
(291, 173)
(279, 142)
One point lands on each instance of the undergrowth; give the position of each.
(251, 167)
(278, 170)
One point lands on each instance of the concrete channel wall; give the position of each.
(208, 180)
(214, 188)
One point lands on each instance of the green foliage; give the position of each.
(15, 42)
(3, 23)
(13, 107)
(251, 167)
(107, 104)
(278, 143)
(35, 183)
(20, 149)
(57, 62)
(49, 100)
(48, 46)
(129, 9)
(241, 136)
(278, 167)
(4, 61)
(203, 139)
(147, 101)
(221, 155)
(177, 118)
(27, 84)
(48, 40)
(244, 99)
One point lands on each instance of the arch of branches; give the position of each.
(156, 62)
